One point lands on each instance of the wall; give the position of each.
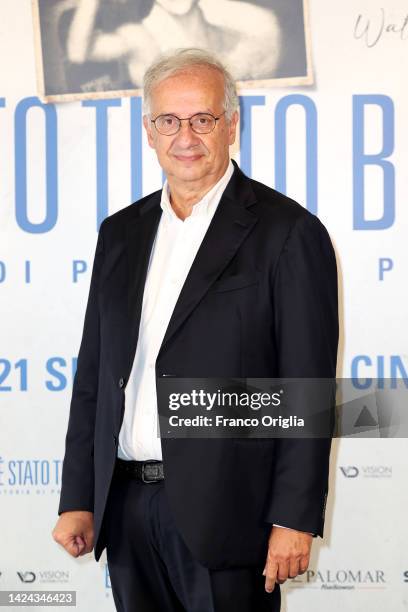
(63, 168)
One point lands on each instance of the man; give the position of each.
(216, 275)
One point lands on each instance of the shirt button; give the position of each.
(121, 383)
(151, 366)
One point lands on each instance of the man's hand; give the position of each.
(288, 555)
(74, 531)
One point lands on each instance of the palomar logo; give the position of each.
(346, 579)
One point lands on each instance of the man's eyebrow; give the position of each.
(207, 110)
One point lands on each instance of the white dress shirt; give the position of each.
(174, 249)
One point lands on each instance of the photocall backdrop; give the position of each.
(339, 147)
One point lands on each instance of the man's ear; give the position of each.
(233, 127)
(148, 127)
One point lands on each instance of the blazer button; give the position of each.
(115, 440)
(121, 383)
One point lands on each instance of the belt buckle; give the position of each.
(143, 473)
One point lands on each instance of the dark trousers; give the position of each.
(152, 570)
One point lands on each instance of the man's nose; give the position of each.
(186, 134)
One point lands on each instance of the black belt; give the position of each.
(146, 471)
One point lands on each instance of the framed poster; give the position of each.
(101, 48)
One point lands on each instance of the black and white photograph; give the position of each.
(100, 48)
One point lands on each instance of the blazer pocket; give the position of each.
(237, 281)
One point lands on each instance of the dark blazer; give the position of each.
(260, 301)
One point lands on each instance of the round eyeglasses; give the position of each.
(200, 123)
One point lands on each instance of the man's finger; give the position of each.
(81, 545)
(88, 543)
(271, 571)
(72, 548)
(283, 571)
(303, 565)
(293, 568)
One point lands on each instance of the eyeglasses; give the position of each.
(201, 123)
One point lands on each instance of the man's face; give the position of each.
(187, 156)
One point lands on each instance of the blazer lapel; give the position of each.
(140, 235)
(230, 225)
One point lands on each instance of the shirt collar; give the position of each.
(204, 207)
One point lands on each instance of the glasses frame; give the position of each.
(180, 119)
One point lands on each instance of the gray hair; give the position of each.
(180, 60)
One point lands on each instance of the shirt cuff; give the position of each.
(283, 526)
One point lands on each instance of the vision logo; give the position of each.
(26, 576)
(350, 471)
(53, 576)
(56, 576)
(367, 471)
